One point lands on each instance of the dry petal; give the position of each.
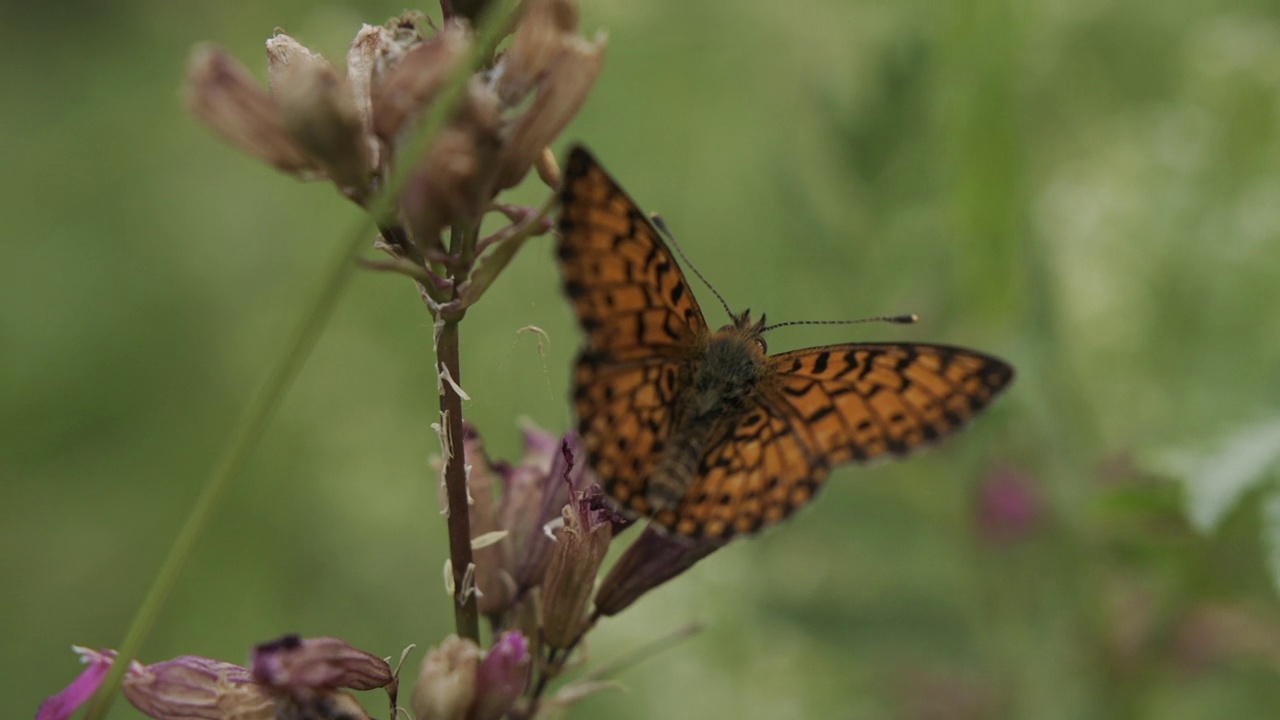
(579, 550)
(283, 55)
(324, 662)
(654, 558)
(321, 115)
(225, 97)
(558, 100)
(544, 28)
(362, 60)
(493, 560)
(197, 688)
(407, 87)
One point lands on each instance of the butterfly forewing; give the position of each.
(629, 295)
(640, 322)
(759, 456)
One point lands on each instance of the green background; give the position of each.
(1088, 189)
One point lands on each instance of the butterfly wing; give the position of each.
(640, 319)
(630, 297)
(823, 406)
(860, 401)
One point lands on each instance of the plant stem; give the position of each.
(466, 616)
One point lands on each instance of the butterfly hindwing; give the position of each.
(860, 401)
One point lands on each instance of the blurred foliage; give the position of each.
(1089, 189)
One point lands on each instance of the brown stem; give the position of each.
(466, 616)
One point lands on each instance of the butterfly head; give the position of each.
(744, 326)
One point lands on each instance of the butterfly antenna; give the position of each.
(658, 222)
(895, 319)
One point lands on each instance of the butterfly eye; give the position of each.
(764, 347)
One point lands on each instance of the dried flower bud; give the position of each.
(408, 86)
(285, 54)
(493, 561)
(446, 684)
(579, 550)
(222, 95)
(502, 677)
(362, 61)
(535, 495)
(559, 98)
(319, 112)
(540, 35)
(448, 186)
(292, 663)
(61, 705)
(195, 688)
(654, 558)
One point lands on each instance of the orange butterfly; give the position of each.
(705, 431)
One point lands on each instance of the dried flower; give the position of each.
(319, 111)
(294, 664)
(571, 574)
(190, 686)
(494, 561)
(535, 494)
(446, 684)
(502, 677)
(654, 558)
(224, 96)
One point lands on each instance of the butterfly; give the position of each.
(704, 431)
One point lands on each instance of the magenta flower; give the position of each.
(1009, 506)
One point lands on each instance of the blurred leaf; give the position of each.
(1215, 481)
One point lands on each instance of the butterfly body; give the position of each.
(720, 380)
(703, 430)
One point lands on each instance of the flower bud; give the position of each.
(502, 677)
(292, 663)
(446, 684)
(654, 558)
(579, 549)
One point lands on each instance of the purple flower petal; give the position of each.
(62, 705)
